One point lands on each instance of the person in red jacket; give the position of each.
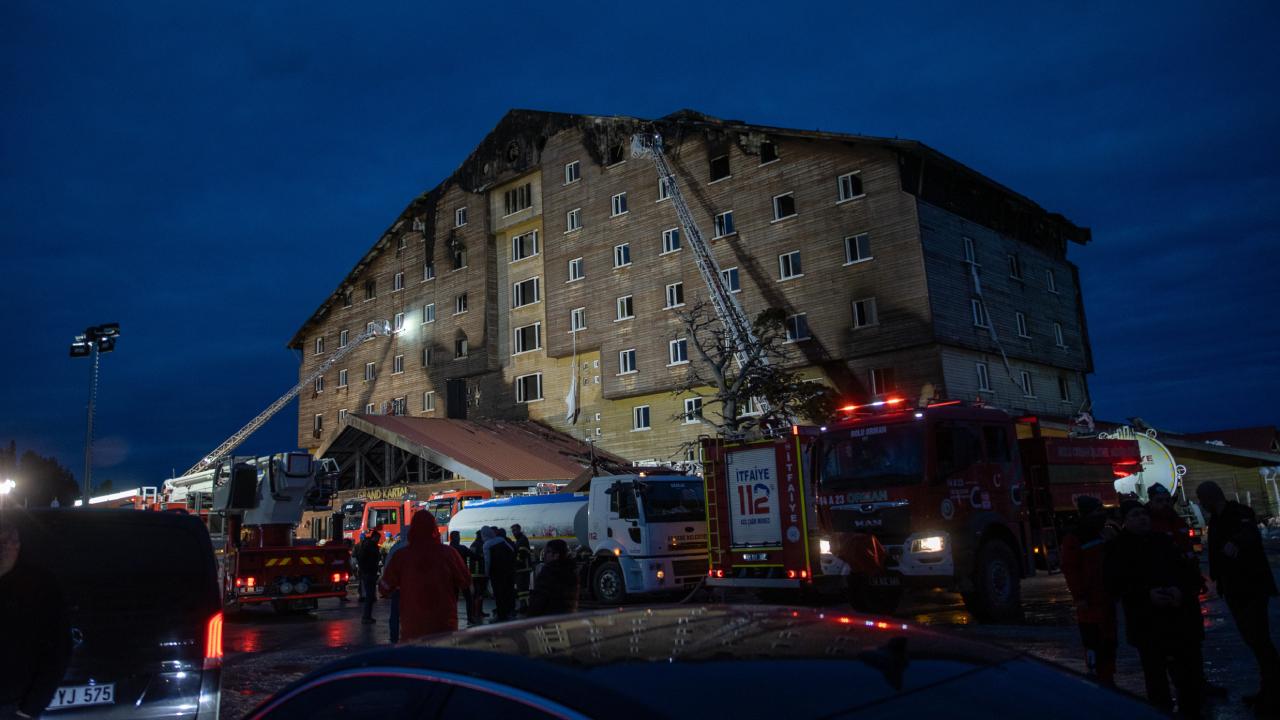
(1082, 553)
(429, 576)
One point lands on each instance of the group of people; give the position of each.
(423, 578)
(1144, 560)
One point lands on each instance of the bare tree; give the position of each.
(765, 393)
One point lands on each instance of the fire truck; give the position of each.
(888, 496)
(252, 507)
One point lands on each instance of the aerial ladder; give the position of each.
(746, 346)
(375, 329)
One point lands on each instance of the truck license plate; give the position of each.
(80, 695)
(886, 581)
(749, 557)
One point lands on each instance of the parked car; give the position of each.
(142, 597)
(697, 661)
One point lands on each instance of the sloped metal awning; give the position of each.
(496, 454)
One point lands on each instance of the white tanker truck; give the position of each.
(637, 534)
(1158, 468)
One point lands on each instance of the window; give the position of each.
(864, 313)
(398, 283)
(626, 309)
(517, 199)
(970, 256)
(342, 415)
(678, 350)
(460, 304)
(428, 271)
(789, 265)
(525, 245)
(618, 204)
(719, 168)
(724, 224)
(797, 327)
(753, 407)
(640, 418)
(342, 339)
(399, 405)
(399, 323)
(525, 292)
(850, 186)
(670, 240)
(428, 313)
(768, 152)
(368, 409)
(320, 384)
(529, 388)
(460, 217)
(426, 356)
(617, 154)
(857, 248)
(692, 410)
(370, 371)
(459, 257)
(369, 328)
(460, 347)
(573, 220)
(1027, 388)
(730, 278)
(979, 311)
(346, 299)
(397, 365)
(429, 401)
(317, 423)
(578, 319)
(784, 206)
(1020, 320)
(342, 378)
(1064, 389)
(882, 381)
(575, 270)
(1057, 335)
(1050, 281)
(984, 377)
(675, 295)
(664, 190)
(572, 172)
(370, 289)
(621, 255)
(627, 361)
(527, 338)
(320, 346)
(1015, 268)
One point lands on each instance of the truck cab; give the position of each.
(445, 505)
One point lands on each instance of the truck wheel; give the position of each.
(997, 588)
(607, 583)
(869, 599)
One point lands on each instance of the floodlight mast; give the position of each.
(381, 329)
(746, 346)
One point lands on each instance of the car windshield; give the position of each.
(677, 501)
(874, 456)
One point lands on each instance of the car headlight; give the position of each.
(931, 544)
(824, 547)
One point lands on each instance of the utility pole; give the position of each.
(96, 339)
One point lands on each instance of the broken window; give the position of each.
(529, 388)
(518, 198)
(864, 313)
(724, 224)
(460, 346)
(768, 153)
(523, 246)
(370, 289)
(459, 257)
(428, 271)
(850, 186)
(784, 206)
(617, 154)
(719, 168)
(798, 327)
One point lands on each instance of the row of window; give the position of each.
(1015, 266)
(983, 320)
(1024, 382)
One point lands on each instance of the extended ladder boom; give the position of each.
(231, 443)
(727, 307)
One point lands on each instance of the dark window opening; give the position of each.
(768, 152)
(719, 168)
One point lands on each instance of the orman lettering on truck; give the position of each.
(855, 498)
(864, 432)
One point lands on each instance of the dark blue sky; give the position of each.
(206, 175)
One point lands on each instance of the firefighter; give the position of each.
(524, 565)
(1083, 549)
(367, 556)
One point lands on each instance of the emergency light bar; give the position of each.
(890, 402)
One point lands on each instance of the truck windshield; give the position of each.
(442, 510)
(352, 516)
(871, 457)
(679, 501)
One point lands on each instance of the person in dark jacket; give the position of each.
(468, 559)
(1238, 566)
(500, 565)
(524, 565)
(368, 555)
(555, 586)
(35, 632)
(1083, 549)
(1158, 589)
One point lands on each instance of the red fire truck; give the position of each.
(888, 496)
